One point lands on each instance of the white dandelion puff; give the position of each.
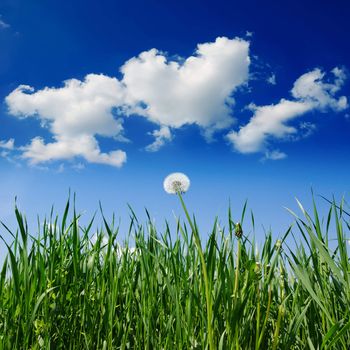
(176, 183)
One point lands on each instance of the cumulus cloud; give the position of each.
(312, 88)
(84, 146)
(171, 93)
(267, 121)
(79, 107)
(310, 91)
(74, 114)
(195, 91)
(161, 136)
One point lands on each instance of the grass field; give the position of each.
(60, 289)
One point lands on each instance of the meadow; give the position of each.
(67, 287)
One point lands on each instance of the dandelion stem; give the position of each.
(205, 274)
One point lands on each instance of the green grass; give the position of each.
(60, 291)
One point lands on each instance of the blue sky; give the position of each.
(249, 99)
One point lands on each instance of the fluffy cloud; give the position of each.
(267, 121)
(79, 107)
(84, 146)
(310, 92)
(197, 90)
(161, 136)
(170, 93)
(74, 114)
(312, 88)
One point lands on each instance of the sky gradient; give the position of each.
(250, 100)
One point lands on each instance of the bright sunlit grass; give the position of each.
(68, 288)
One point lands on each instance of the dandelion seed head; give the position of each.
(176, 182)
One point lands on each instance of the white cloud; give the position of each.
(79, 107)
(310, 91)
(267, 121)
(196, 91)
(170, 93)
(6, 149)
(311, 87)
(8, 145)
(74, 114)
(271, 79)
(274, 155)
(161, 136)
(84, 146)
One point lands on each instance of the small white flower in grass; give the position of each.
(176, 183)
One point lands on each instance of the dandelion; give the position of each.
(176, 183)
